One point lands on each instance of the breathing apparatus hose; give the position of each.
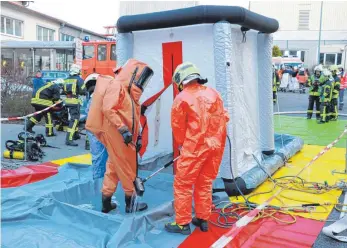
(133, 115)
(12, 145)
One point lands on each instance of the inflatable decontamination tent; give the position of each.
(232, 47)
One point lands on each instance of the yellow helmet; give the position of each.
(333, 68)
(185, 73)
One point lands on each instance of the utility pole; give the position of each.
(320, 30)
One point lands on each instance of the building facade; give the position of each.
(299, 33)
(40, 37)
(22, 23)
(299, 21)
(142, 7)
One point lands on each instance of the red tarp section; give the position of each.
(263, 233)
(27, 174)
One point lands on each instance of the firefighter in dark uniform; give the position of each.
(42, 98)
(275, 83)
(313, 83)
(333, 115)
(326, 81)
(73, 87)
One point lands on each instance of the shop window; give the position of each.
(339, 59)
(45, 34)
(302, 56)
(11, 26)
(293, 53)
(321, 58)
(330, 59)
(66, 37)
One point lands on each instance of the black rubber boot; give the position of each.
(69, 142)
(175, 228)
(130, 205)
(203, 224)
(29, 127)
(76, 136)
(107, 205)
(50, 135)
(309, 117)
(87, 145)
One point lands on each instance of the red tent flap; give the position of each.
(27, 174)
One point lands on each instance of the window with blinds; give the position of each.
(304, 20)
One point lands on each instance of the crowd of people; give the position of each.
(326, 89)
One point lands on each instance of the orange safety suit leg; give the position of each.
(187, 172)
(119, 168)
(203, 201)
(198, 121)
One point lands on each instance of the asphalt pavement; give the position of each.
(11, 131)
(288, 101)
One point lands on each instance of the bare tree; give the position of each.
(16, 91)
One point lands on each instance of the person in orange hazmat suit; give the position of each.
(119, 129)
(199, 125)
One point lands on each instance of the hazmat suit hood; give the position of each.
(131, 69)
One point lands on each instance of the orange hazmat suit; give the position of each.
(120, 110)
(199, 122)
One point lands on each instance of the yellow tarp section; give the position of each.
(319, 171)
(81, 159)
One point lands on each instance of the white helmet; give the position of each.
(327, 73)
(318, 68)
(59, 81)
(75, 70)
(302, 69)
(295, 67)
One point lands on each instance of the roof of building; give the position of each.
(22, 8)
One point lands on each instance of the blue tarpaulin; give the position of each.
(64, 211)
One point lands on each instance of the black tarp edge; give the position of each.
(197, 15)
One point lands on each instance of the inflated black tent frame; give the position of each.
(197, 15)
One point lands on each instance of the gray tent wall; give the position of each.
(124, 48)
(236, 79)
(265, 93)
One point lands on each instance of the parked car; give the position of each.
(49, 76)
